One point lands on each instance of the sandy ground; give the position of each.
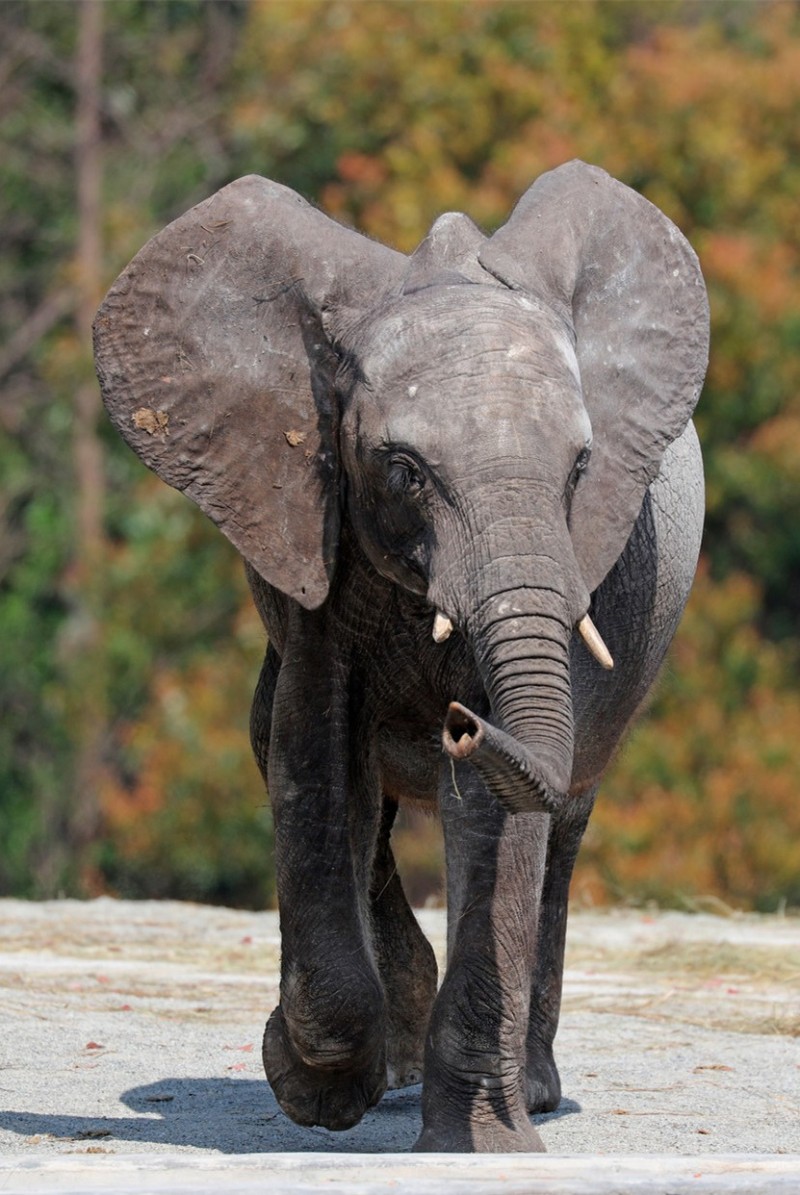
(135, 1028)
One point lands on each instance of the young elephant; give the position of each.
(437, 468)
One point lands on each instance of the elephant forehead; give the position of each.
(463, 331)
(516, 387)
(459, 370)
(490, 428)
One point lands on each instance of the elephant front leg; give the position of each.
(474, 1090)
(324, 1046)
(566, 832)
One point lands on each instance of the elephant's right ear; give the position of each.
(215, 368)
(628, 285)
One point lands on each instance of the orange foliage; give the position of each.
(184, 807)
(738, 260)
(703, 800)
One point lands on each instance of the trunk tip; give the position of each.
(462, 732)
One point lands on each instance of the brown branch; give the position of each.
(38, 324)
(91, 713)
(30, 47)
(89, 465)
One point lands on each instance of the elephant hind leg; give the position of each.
(406, 963)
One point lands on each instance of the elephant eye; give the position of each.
(583, 459)
(404, 477)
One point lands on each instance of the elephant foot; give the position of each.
(404, 1073)
(476, 1137)
(542, 1081)
(476, 1111)
(333, 1097)
(407, 1024)
(408, 1013)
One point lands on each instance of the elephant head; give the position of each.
(488, 412)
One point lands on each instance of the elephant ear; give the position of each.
(628, 284)
(215, 368)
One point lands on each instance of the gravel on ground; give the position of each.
(131, 1029)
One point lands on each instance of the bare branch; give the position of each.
(28, 46)
(37, 325)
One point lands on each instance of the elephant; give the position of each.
(469, 498)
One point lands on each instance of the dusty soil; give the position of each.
(135, 1028)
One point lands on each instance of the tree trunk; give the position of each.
(91, 713)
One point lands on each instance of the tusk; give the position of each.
(591, 637)
(442, 627)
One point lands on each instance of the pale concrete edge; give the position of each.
(365, 1174)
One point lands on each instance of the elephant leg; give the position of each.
(261, 710)
(324, 1046)
(406, 963)
(474, 1090)
(566, 831)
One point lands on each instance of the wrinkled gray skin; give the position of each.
(494, 428)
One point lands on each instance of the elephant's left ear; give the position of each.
(626, 280)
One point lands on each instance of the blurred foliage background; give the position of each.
(129, 646)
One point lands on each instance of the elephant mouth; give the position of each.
(521, 780)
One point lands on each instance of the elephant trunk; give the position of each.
(520, 638)
(514, 774)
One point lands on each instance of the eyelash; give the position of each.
(404, 477)
(579, 467)
(583, 460)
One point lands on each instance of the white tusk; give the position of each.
(591, 637)
(442, 627)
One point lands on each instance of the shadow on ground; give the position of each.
(234, 1116)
